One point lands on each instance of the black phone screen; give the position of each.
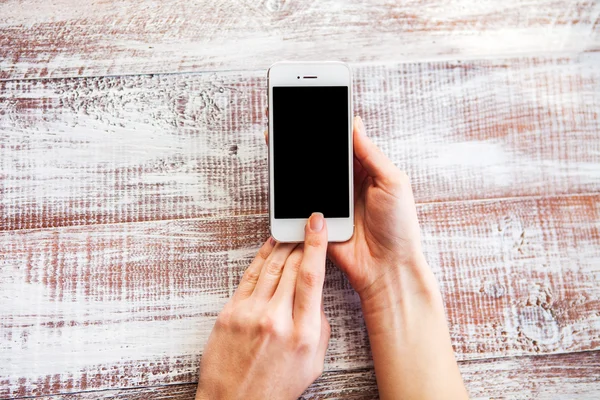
(310, 151)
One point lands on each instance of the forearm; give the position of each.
(409, 337)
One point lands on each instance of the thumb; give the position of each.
(370, 157)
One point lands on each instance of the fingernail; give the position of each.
(272, 241)
(360, 125)
(316, 222)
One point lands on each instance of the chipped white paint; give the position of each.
(131, 304)
(571, 376)
(519, 276)
(124, 149)
(123, 296)
(74, 38)
(542, 377)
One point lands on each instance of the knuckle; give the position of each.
(237, 325)
(295, 261)
(239, 322)
(314, 240)
(270, 326)
(305, 343)
(266, 324)
(224, 319)
(304, 347)
(263, 253)
(273, 267)
(251, 276)
(310, 278)
(222, 322)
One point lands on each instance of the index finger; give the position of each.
(311, 275)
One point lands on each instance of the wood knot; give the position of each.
(493, 289)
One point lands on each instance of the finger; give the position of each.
(309, 283)
(271, 271)
(371, 158)
(287, 284)
(252, 273)
(267, 112)
(323, 341)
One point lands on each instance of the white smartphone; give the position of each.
(310, 148)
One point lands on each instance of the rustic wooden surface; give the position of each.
(74, 38)
(518, 277)
(136, 148)
(130, 205)
(543, 377)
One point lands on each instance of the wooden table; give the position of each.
(133, 183)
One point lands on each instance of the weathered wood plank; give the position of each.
(560, 376)
(130, 305)
(352, 384)
(74, 38)
(122, 149)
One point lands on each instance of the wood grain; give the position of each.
(352, 384)
(123, 149)
(132, 304)
(575, 375)
(73, 38)
(130, 205)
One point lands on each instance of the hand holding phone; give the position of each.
(400, 299)
(310, 149)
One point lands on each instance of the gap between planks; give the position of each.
(106, 150)
(254, 215)
(357, 64)
(68, 38)
(517, 279)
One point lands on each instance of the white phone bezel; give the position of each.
(327, 74)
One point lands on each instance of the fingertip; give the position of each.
(267, 248)
(360, 139)
(359, 125)
(316, 231)
(369, 155)
(316, 222)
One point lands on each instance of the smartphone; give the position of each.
(310, 148)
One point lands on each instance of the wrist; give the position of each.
(400, 279)
(401, 294)
(409, 336)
